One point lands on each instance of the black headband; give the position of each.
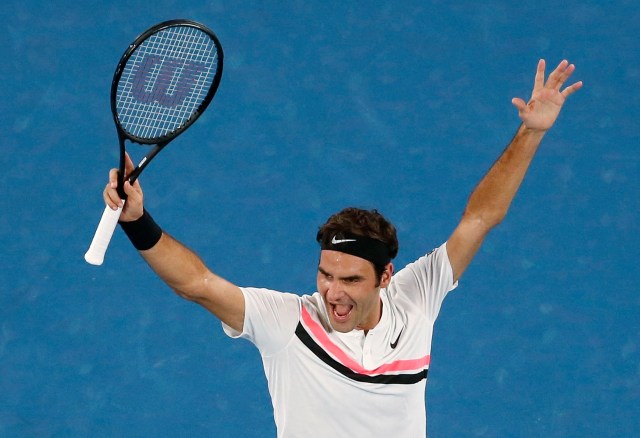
(364, 247)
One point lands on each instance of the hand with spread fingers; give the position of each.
(542, 110)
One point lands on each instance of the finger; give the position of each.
(519, 103)
(111, 197)
(565, 74)
(572, 89)
(130, 168)
(113, 178)
(110, 193)
(559, 75)
(134, 196)
(136, 185)
(539, 79)
(132, 192)
(128, 164)
(135, 188)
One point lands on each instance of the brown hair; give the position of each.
(369, 223)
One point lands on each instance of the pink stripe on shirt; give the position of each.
(326, 343)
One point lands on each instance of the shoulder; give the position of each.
(435, 260)
(270, 318)
(426, 281)
(270, 299)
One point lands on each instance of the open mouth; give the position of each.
(341, 312)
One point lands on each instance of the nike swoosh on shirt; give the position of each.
(393, 345)
(335, 241)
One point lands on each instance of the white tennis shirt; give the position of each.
(324, 383)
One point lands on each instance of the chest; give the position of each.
(399, 344)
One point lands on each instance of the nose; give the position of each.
(334, 291)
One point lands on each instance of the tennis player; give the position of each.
(352, 359)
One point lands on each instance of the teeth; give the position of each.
(342, 309)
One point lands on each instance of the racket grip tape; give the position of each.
(102, 237)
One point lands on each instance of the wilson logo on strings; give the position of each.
(165, 80)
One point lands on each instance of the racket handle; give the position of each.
(104, 232)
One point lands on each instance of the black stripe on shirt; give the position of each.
(399, 379)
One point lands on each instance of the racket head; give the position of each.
(165, 80)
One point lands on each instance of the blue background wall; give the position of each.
(397, 105)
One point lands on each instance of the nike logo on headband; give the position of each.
(335, 241)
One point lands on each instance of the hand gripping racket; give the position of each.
(162, 84)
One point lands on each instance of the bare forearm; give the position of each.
(490, 200)
(177, 266)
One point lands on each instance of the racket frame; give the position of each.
(162, 141)
(109, 219)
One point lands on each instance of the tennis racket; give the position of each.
(162, 84)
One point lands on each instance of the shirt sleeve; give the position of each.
(270, 319)
(425, 282)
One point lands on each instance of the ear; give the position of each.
(385, 279)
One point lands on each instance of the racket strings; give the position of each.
(165, 81)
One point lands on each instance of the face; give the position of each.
(350, 290)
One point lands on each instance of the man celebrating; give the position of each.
(352, 358)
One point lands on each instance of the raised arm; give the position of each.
(176, 265)
(490, 200)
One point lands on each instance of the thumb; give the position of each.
(128, 164)
(519, 103)
(134, 192)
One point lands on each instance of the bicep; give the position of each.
(188, 276)
(464, 243)
(224, 299)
